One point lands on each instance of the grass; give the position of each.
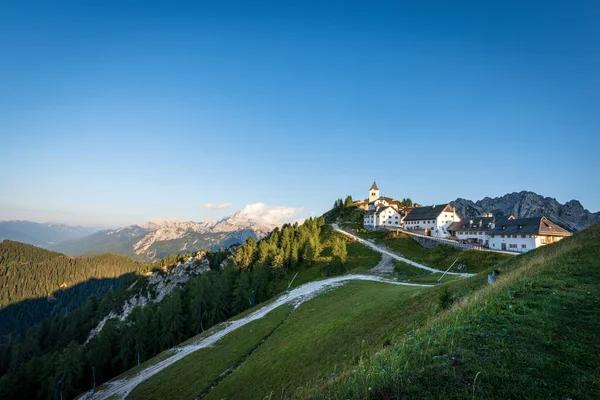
(407, 273)
(440, 257)
(199, 371)
(532, 334)
(284, 355)
(326, 335)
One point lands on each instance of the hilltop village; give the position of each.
(505, 233)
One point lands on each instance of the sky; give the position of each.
(117, 112)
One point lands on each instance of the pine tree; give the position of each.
(348, 202)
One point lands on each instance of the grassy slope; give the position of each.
(360, 258)
(533, 334)
(320, 338)
(440, 257)
(325, 335)
(196, 373)
(407, 273)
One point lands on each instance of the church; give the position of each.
(381, 212)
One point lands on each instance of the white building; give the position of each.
(524, 234)
(375, 200)
(473, 230)
(383, 217)
(431, 220)
(382, 212)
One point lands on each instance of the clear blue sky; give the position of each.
(114, 112)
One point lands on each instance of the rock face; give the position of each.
(570, 215)
(158, 286)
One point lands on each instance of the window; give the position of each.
(543, 239)
(502, 236)
(514, 236)
(513, 246)
(492, 236)
(523, 246)
(523, 236)
(480, 233)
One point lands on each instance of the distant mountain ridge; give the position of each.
(159, 238)
(570, 215)
(41, 234)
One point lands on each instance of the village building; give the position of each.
(384, 217)
(524, 234)
(473, 230)
(374, 201)
(381, 212)
(431, 220)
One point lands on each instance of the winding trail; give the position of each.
(396, 256)
(122, 387)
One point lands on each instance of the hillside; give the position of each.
(534, 331)
(41, 234)
(570, 215)
(205, 297)
(159, 238)
(37, 283)
(532, 334)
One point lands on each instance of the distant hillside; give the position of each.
(37, 283)
(570, 215)
(159, 238)
(41, 234)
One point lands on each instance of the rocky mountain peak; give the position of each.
(571, 215)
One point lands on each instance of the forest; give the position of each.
(37, 283)
(56, 349)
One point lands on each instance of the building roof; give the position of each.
(478, 224)
(382, 209)
(390, 201)
(374, 186)
(532, 226)
(428, 212)
(379, 210)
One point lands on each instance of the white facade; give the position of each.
(473, 235)
(373, 193)
(520, 243)
(436, 227)
(385, 217)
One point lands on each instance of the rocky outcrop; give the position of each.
(159, 285)
(570, 215)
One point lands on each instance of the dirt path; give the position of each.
(119, 389)
(385, 265)
(396, 256)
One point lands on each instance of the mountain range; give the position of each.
(42, 234)
(159, 238)
(570, 215)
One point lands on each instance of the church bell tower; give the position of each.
(373, 192)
